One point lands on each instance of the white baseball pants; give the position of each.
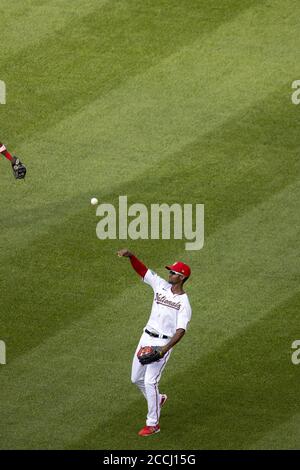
(147, 377)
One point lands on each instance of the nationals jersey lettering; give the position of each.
(161, 299)
(169, 311)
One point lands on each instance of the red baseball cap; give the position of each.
(180, 268)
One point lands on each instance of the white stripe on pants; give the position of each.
(147, 377)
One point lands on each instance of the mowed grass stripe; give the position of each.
(36, 22)
(253, 153)
(232, 305)
(69, 257)
(96, 51)
(154, 114)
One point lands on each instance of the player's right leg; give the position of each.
(138, 371)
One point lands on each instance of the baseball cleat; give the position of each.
(148, 430)
(163, 400)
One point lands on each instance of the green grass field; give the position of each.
(163, 101)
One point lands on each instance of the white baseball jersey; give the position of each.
(169, 311)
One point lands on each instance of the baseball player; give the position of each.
(168, 321)
(19, 170)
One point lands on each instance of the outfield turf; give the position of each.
(163, 101)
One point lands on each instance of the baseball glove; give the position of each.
(148, 354)
(19, 170)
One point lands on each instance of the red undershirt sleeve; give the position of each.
(138, 266)
(5, 152)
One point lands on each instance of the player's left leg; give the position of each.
(152, 378)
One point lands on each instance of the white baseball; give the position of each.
(94, 201)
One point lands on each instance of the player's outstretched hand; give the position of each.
(124, 252)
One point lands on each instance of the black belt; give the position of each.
(155, 335)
